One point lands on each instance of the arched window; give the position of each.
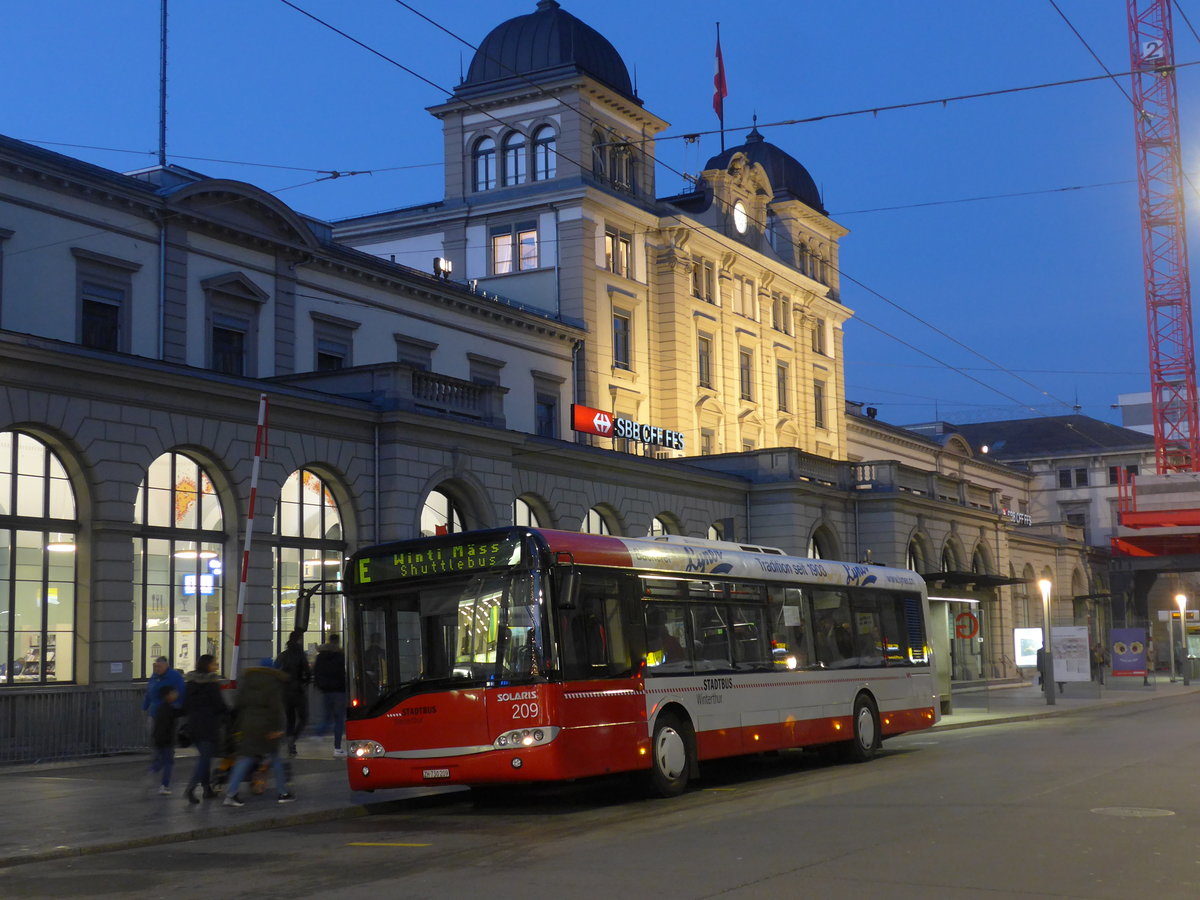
(312, 544)
(483, 164)
(658, 527)
(525, 515)
(822, 545)
(37, 563)
(949, 559)
(621, 167)
(777, 234)
(803, 259)
(440, 515)
(178, 565)
(594, 523)
(545, 159)
(514, 158)
(979, 563)
(599, 154)
(915, 558)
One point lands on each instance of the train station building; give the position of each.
(144, 316)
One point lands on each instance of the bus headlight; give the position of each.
(519, 738)
(364, 749)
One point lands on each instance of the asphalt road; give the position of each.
(1101, 804)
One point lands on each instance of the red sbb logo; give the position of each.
(589, 420)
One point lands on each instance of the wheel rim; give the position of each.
(670, 753)
(866, 728)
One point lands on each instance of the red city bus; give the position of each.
(527, 655)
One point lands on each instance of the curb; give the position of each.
(312, 817)
(1003, 718)
(211, 831)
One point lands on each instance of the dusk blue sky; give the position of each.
(1047, 285)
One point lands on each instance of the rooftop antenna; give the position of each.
(162, 85)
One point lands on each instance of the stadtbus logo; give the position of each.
(598, 422)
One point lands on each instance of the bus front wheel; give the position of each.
(670, 756)
(866, 731)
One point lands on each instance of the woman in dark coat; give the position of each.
(259, 721)
(206, 715)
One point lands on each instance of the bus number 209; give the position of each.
(525, 711)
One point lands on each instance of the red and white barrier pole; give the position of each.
(260, 450)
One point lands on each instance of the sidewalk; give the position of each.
(99, 805)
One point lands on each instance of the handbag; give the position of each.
(184, 739)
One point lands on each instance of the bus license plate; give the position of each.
(437, 773)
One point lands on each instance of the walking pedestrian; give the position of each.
(161, 674)
(293, 662)
(207, 717)
(259, 723)
(329, 675)
(163, 736)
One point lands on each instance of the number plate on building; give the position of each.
(437, 773)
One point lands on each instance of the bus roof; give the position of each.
(690, 557)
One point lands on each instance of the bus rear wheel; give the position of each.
(866, 739)
(670, 756)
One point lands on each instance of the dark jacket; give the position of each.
(204, 706)
(293, 662)
(154, 686)
(258, 712)
(329, 671)
(163, 732)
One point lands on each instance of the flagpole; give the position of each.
(721, 114)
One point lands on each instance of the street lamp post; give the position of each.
(1047, 654)
(1181, 599)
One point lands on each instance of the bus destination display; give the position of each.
(443, 559)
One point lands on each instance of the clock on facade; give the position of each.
(739, 217)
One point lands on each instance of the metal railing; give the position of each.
(69, 723)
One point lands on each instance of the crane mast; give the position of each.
(1164, 237)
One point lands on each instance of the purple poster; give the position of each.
(1127, 649)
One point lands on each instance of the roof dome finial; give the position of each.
(754, 136)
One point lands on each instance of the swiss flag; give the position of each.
(720, 88)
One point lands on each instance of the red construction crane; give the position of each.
(1164, 238)
(1168, 503)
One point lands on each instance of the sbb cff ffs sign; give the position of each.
(605, 424)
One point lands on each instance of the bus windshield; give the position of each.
(458, 632)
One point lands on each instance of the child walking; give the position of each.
(163, 737)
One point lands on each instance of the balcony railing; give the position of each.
(391, 386)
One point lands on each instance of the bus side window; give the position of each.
(790, 635)
(592, 633)
(895, 631)
(666, 638)
(834, 638)
(750, 646)
(710, 626)
(868, 636)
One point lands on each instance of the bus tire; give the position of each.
(670, 756)
(867, 738)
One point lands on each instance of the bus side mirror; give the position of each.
(566, 583)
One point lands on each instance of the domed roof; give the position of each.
(785, 173)
(547, 43)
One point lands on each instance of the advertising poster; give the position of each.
(1026, 643)
(1127, 650)
(1072, 654)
